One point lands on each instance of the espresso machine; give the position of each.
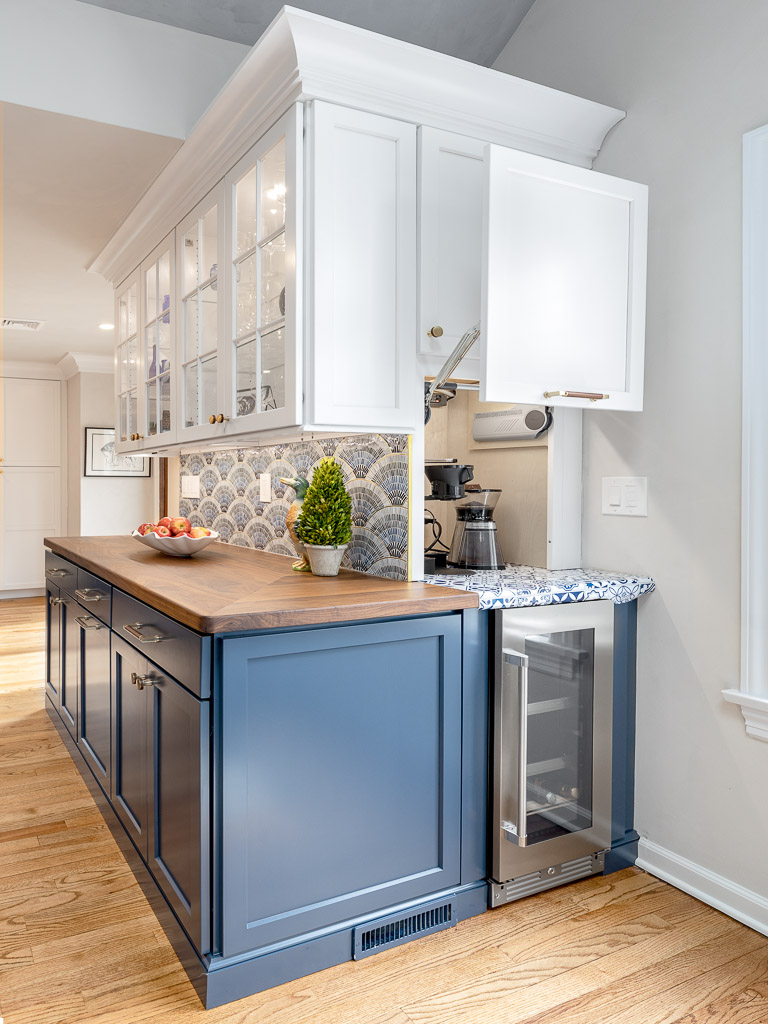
(475, 543)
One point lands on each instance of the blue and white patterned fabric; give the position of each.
(521, 586)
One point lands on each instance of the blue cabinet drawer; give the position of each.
(340, 761)
(61, 572)
(94, 595)
(181, 652)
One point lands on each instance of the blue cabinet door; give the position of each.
(130, 767)
(179, 820)
(70, 663)
(52, 642)
(340, 759)
(94, 737)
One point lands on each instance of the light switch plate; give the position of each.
(265, 487)
(190, 487)
(625, 495)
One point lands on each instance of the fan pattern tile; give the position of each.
(375, 469)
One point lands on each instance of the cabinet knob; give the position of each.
(435, 332)
(221, 418)
(136, 437)
(212, 418)
(141, 681)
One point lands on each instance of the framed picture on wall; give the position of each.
(102, 460)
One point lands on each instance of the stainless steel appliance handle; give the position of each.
(518, 831)
(135, 631)
(83, 620)
(88, 594)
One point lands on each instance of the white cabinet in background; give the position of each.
(563, 310)
(31, 434)
(30, 504)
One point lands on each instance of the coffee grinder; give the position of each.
(475, 544)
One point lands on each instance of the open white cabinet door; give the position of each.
(563, 291)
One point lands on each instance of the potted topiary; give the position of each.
(325, 523)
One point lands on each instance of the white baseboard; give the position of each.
(13, 595)
(719, 892)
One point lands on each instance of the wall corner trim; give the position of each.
(85, 362)
(719, 892)
(752, 691)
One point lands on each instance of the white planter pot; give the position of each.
(325, 559)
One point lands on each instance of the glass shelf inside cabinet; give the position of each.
(260, 285)
(200, 319)
(127, 355)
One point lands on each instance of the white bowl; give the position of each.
(181, 547)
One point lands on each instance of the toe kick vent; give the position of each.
(393, 931)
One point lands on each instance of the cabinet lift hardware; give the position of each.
(465, 344)
(134, 631)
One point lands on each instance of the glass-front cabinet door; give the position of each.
(127, 357)
(157, 402)
(264, 213)
(553, 735)
(200, 380)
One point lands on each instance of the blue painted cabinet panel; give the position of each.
(340, 758)
(160, 781)
(52, 642)
(94, 698)
(70, 663)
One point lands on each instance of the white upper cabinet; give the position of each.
(264, 278)
(362, 370)
(318, 267)
(200, 317)
(127, 358)
(564, 264)
(451, 185)
(157, 402)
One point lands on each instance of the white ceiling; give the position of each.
(67, 183)
(475, 30)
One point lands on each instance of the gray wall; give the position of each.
(693, 78)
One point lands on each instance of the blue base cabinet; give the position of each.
(301, 797)
(340, 755)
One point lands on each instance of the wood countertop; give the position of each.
(225, 588)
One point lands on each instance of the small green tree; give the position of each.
(326, 514)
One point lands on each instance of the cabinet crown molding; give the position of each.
(84, 362)
(304, 56)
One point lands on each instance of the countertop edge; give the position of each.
(226, 621)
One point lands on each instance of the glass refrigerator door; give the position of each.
(550, 684)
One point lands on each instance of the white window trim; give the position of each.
(752, 693)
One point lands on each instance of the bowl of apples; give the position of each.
(175, 536)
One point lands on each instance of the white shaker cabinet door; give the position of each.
(564, 265)
(451, 187)
(362, 371)
(30, 510)
(31, 428)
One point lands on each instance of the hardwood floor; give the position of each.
(78, 942)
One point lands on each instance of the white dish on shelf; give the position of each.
(180, 547)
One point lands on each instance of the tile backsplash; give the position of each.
(375, 468)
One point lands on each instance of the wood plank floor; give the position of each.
(78, 942)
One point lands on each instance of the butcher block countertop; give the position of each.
(224, 589)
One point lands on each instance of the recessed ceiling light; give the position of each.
(106, 327)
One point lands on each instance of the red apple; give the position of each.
(146, 528)
(199, 531)
(165, 521)
(162, 531)
(179, 525)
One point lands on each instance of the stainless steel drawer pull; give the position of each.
(83, 620)
(57, 572)
(141, 681)
(87, 594)
(135, 631)
(593, 396)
